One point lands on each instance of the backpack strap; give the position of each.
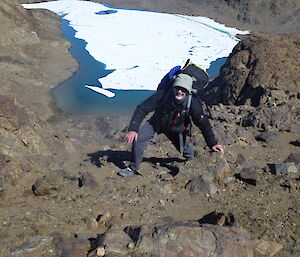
(186, 112)
(189, 102)
(181, 143)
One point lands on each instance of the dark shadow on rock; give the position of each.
(218, 218)
(271, 168)
(116, 157)
(211, 94)
(119, 158)
(295, 143)
(254, 94)
(266, 137)
(246, 180)
(133, 232)
(96, 242)
(168, 163)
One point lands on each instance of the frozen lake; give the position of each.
(125, 53)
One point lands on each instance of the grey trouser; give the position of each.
(145, 134)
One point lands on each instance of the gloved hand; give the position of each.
(174, 71)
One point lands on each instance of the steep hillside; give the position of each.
(31, 52)
(29, 45)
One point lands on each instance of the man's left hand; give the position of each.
(218, 148)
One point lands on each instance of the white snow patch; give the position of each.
(101, 91)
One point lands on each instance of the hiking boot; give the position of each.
(126, 172)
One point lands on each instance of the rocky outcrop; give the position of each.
(263, 69)
(29, 41)
(188, 239)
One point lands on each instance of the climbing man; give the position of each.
(174, 107)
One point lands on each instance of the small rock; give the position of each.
(267, 248)
(104, 218)
(70, 247)
(100, 251)
(31, 244)
(130, 245)
(249, 175)
(286, 168)
(162, 202)
(91, 224)
(48, 185)
(202, 184)
(293, 157)
(116, 241)
(221, 166)
(266, 137)
(88, 181)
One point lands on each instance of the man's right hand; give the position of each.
(131, 136)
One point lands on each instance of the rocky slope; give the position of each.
(59, 192)
(30, 42)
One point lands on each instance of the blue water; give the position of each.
(73, 97)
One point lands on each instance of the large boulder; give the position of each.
(263, 69)
(191, 239)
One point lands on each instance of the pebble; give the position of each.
(266, 137)
(91, 224)
(105, 217)
(100, 251)
(130, 245)
(268, 248)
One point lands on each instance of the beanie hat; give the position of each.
(185, 81)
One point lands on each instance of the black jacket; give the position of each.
(154, 103)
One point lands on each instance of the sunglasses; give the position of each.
(181, 89)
